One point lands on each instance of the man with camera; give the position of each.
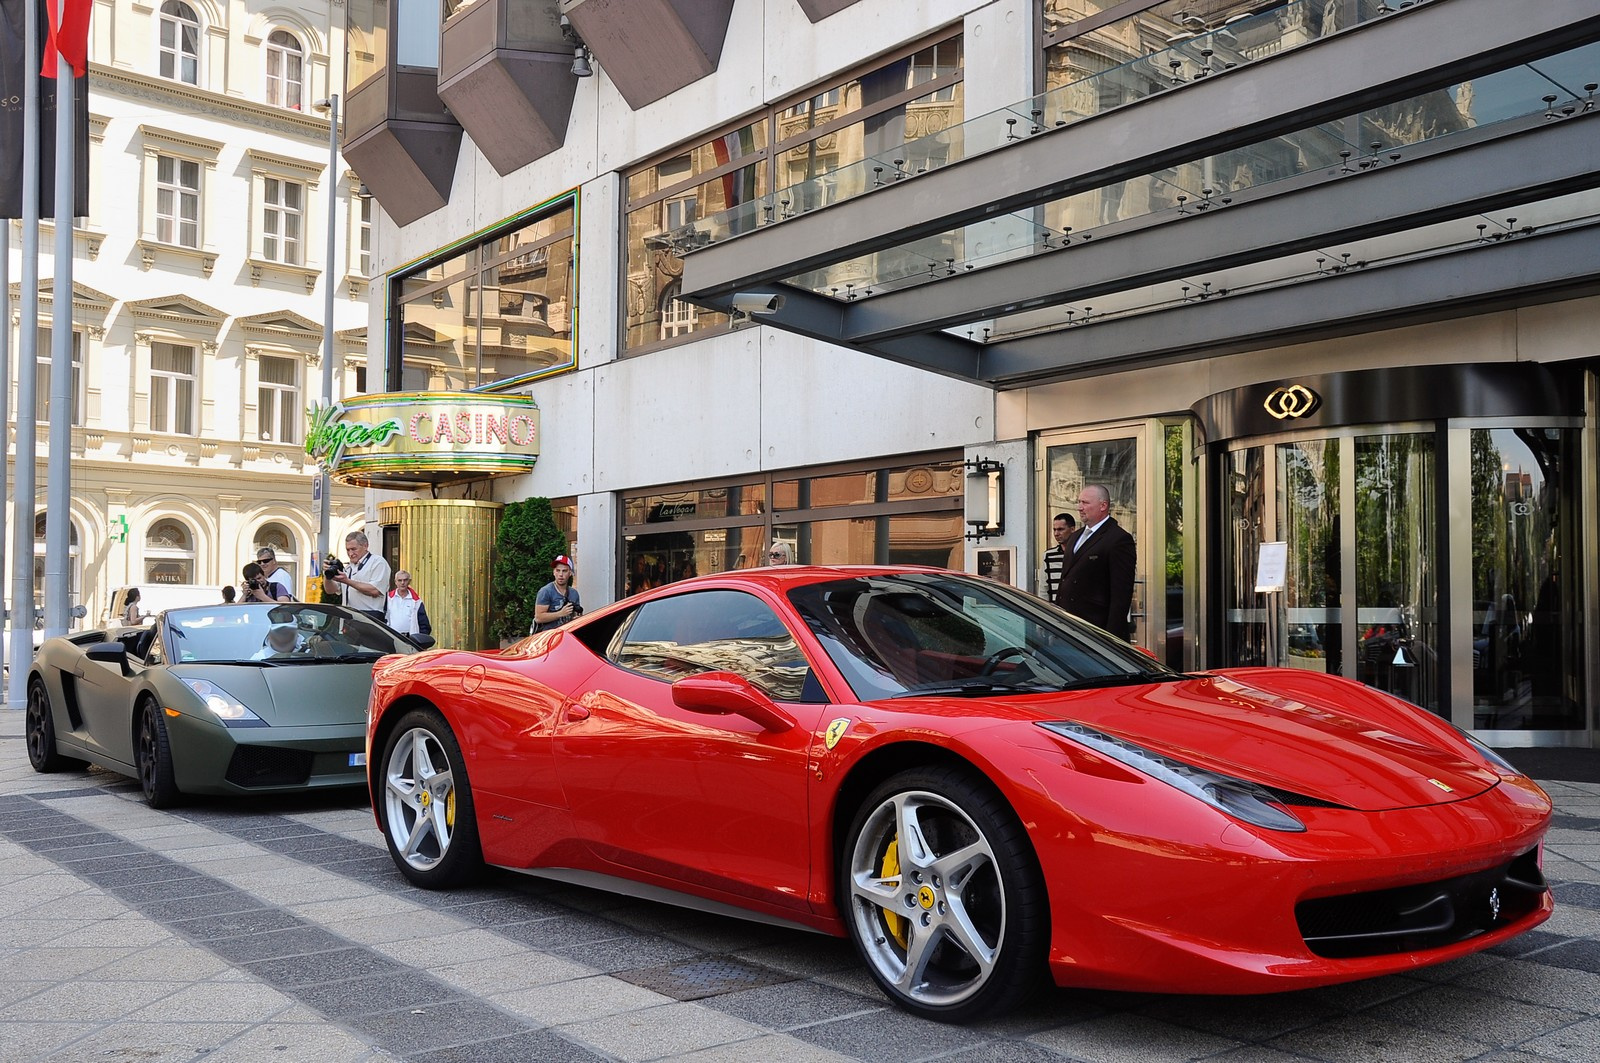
(364, 579)
(557, 601)
(267, 583)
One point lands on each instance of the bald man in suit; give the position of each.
(1097, 577)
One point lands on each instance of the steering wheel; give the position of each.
(991, 662)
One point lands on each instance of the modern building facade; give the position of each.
(849, 274)
(198, 296)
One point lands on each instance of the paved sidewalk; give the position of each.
(235, 932)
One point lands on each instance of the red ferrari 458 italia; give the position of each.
(978, 789)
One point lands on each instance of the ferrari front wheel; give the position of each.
(426, 805)
(943, 896)
(153, 752)
(40, 731)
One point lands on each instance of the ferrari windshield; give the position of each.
(289, 632)
(940, 633)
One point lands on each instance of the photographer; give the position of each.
(269, 584)
(364, 579)
(557, 601)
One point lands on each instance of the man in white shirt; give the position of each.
(272, 586)
(365, 579)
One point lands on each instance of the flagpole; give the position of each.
(58, 474)
(27, 374)
(5, 390)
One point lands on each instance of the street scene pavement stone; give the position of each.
(246, 931)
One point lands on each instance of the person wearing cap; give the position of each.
(557, 601)
(281, 641)
(271, 586)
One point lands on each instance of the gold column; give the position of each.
(447, 544)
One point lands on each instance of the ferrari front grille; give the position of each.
(1427, 916)
(253, 766)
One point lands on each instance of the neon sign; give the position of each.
(423, 437)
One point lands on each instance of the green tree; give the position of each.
(525, 548)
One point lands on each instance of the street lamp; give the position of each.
(324, 499)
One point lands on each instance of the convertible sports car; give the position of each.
(976, 788)
(222, 699)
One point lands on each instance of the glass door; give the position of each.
(1118, 458)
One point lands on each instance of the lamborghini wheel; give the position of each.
(943, 896)
(40, 729)
(426, 806)
(153, 752)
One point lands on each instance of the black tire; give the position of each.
(953, 941)
(40, 731)
(425, 805)
(152, 754)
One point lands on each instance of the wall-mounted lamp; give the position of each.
(580, 51)
(986, 498)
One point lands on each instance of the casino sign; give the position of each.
(401, 439)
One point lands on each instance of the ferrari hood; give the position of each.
(297, 695)
(1219, 723)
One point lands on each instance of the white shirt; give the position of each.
(374, 570)
(1088, 530)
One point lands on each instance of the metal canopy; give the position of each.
(1419, 50)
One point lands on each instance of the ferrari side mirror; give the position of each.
(729, 694)
(421, 642)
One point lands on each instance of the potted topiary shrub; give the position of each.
(525, 547)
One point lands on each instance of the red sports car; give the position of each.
(976, 788)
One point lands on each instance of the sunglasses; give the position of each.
(779, 554)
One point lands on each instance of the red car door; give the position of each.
(711, 804)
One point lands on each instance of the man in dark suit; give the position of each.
(1097, 578)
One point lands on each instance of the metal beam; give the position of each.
(818, 317)
(1535, 160)
(1479, 279)
(1407, 53)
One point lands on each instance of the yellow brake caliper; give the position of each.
(896, 924)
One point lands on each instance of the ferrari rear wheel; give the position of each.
(40, 729)
(943, 896)
(153, 753)
(427, 812)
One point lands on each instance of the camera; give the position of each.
(253, 584)
(332, 566)
(577, 611)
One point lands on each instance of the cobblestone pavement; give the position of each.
(234, 932)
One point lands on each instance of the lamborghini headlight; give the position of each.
(1240, 799)
(223, 705)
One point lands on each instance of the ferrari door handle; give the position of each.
(577, 712)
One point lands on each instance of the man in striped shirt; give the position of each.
(1062, 525)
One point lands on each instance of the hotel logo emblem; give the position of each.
(1292, 402)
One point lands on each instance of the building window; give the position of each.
(172, 388)
(180, 43)
(74, 563)
(45, 354)
(278, 399)
(677, 316)
(169, 552)
(364, 236)
(907, 512)
(494, 313)
(282, 216)
(285, 71)
(177, 201)
(909, 96)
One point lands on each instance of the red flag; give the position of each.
(71, 39)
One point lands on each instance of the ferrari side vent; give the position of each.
(268, 766)
(1427, 916)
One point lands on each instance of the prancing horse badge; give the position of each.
(836, 731)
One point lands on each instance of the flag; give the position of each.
(71, 39)
(13, 89)
(738, 186)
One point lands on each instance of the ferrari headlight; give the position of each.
(1240, 799)
(223, 705)
(1496, 761)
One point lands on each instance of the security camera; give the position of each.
(757, 303)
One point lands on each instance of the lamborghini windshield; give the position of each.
(289, 632)
(941, 633)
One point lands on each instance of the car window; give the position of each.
(286, 633)
(945, 633)
(713, 631)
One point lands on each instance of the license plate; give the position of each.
(358, 760)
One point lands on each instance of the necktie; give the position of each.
(1082, 539)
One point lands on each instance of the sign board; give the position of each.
(1272, 567)
(405, 438)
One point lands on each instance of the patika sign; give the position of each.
(423, 436)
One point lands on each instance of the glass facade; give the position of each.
(909, 512)
(491, 313)
(908, 97)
